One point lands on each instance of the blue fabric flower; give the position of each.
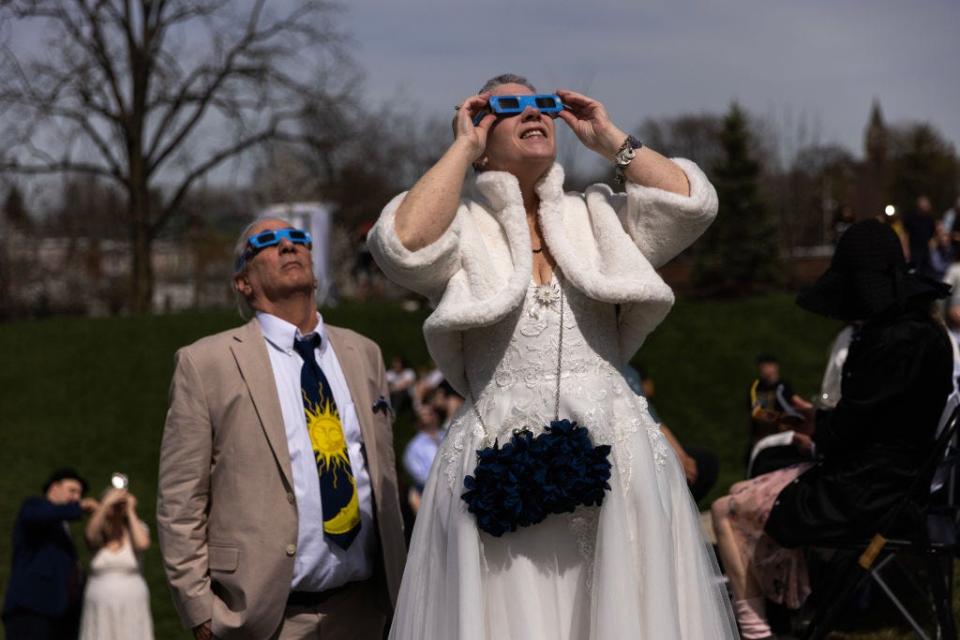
(528, 478)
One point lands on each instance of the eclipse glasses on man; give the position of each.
(259, 242)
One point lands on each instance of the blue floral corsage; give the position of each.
(528, 478)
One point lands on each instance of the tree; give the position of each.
(820, 182)
(691, 136)
(15, 211)
(924, 163)
(153, 95)
(740, 251)
(356, 158)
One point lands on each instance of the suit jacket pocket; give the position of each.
(223, 558)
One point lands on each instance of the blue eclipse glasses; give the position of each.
(264, 239)
(548, 103)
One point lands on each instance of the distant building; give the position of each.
(91, 276)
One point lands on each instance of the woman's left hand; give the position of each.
(589, 121)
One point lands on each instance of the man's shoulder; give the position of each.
(218, 342)
(349, 336)
(33, 502)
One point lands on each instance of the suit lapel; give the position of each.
(354, 369)
(250, 352)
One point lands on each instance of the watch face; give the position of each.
(624, 156)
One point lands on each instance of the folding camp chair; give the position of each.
(935, 543)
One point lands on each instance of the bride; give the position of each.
(541, 298)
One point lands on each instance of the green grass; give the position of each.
(702, 360)
(93, 393)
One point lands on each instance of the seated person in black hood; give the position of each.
(865, 452)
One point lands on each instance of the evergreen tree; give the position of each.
(15, 211)
(740, 252)
(924, 163)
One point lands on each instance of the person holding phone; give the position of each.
(116, 602)
(555, 508)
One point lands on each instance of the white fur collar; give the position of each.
(604, 244)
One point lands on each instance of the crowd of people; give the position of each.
(550, 500)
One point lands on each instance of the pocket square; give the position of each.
(382, 404)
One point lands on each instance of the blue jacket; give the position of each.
(45, 575)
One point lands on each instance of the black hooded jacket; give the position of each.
(896, 380)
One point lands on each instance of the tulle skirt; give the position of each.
(636, 567)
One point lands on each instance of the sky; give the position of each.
(817, 62)
(814, 63)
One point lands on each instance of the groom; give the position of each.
(278, 512)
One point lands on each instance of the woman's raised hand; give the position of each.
(113, 496)
(589, 121)
(475, 136)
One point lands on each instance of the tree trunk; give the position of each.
(142, 276)
(141, 241)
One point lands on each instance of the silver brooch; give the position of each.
(546, 296)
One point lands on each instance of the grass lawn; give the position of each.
(93, 393)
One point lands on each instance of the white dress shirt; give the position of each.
(318, 565)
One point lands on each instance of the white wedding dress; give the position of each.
(636, 568)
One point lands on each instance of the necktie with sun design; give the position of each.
(338, 487)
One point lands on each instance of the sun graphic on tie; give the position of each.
(330, 449)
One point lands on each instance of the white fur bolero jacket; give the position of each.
(606, 244)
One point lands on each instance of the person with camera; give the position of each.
(555, 508)
(46, 582)
(116, 602)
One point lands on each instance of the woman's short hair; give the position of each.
(493, 83)
(506, 78)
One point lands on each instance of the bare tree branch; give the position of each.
(58, 167)
(128, 89)
(202, 169)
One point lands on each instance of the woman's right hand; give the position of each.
(473, 136)
(114, 496)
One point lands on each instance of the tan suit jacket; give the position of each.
(226, 510)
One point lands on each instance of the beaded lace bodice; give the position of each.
(512, 372)
(516, 359)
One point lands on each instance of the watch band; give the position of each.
(625, 155)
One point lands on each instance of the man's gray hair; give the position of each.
(506, 78)
(239, 248)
